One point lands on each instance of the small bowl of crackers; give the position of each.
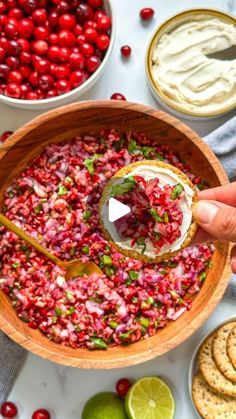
(212, 373)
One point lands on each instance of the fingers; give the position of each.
(202, 236)
(217, 219)
(233, 259)
(225, 194)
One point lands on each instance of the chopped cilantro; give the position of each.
(15, 265)
(89, 163)
(85, 250)
(38, 209)
(58, 311)
(106, 260)
(144, 321)
(113, 324)
(72, 251)
(121, 188)
(202, 276)
(87, 214)
(201, 185)
(141, 242)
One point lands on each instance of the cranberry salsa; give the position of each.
(156, 215)
(56, 200)
(49, 47)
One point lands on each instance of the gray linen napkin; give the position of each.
(12, 357)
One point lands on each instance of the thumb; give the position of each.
(217, 219)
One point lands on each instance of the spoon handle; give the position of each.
(20, 233)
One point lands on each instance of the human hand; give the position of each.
(216, 215)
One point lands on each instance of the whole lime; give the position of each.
(104, 405)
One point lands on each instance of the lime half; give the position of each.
(150, 398)
(105, 405)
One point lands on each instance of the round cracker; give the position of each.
(220, 351)
(209, 403)
(211, 372)
(231, 346)
(106, 194)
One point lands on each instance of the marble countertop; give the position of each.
(64, 390)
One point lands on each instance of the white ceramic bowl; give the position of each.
(166, 27)
(75, 93)
(193, 366)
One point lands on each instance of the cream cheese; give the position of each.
(184, 73)
(165, 176)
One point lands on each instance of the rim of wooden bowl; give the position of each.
(165, 339)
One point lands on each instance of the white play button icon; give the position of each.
(117, 210)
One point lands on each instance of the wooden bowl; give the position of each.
(66, 122)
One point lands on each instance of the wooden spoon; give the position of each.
(73, 268)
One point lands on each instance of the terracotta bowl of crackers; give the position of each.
(120, 133)
(212, 373)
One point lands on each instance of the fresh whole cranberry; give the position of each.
(8, 409)
(118, 96)
(12, 90)
(42, 66)
(45, 82)
(12, 62)
(78, 29)
(67, 21)
(25, 28)
(123, 386)
(104, 23)
(84, 12)
(63, 7)
(3, 42)
(12, 48)
(53, 18)
(5, 135)
(10, 31)
(25, 71)
(14, 77)
(24, 90)
(103, 42)
(146, 13)
(53, 39)
(2, 55)
(77, 61)
(62, 71)
(87, 50)
(98, 14)
(3, 7)
(24, 44)
(62, 86)
(32, 96)
(91, 35)
(41, 33)
(90, 24)
(51, 93)
(77, 78)
(40, 47)
(25, 57)
(16, 13)
(40, 94)
(93, 63)
(42, 3)
(33, 79)
(96, 4)
(28, 5)
(41, 414)
(39, 16)
(53, 53)
(4, 70)
(81, 39)
(11, 4)
(66, 38)
(126, 51)
(64, 54)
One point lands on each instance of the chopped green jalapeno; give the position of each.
(177, 190)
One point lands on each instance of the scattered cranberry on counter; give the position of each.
(126, 51)
(146, 13)
(123, 386)
(41, 414)
(118, 96)
(9, 410)
(5, 135)
(50, 39)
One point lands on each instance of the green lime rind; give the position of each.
(151, 398)
(105, 405)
